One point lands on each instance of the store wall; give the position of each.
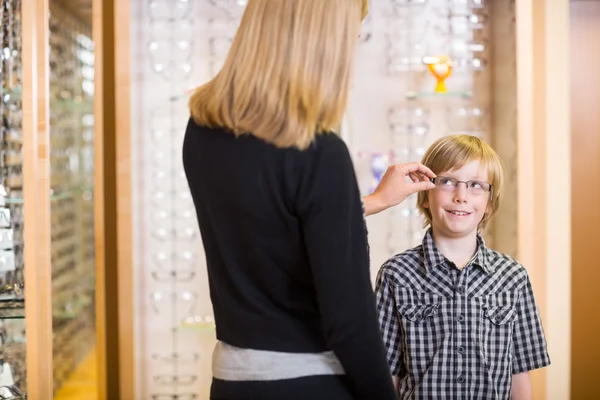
(585, 130)
(544, 178)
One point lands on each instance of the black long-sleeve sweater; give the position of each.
(286, 250)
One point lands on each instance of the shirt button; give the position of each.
(461, 318)
(460, 379)
(460, 289)
(461, 349)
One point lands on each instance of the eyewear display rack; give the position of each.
(47, 223)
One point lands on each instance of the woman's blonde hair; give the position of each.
(288, 72)
(455, 151)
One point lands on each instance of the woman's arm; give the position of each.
(521, 387)
(398, 182)
(330, 213)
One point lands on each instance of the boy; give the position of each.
(458, 319)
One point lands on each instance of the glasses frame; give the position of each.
(467, 184)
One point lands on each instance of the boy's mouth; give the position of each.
(458, 213)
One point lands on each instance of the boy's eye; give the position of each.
(476, 185)
(446, 182)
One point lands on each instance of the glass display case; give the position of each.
(177, 327)
(12, 307)
(47, 270)
(71, 105)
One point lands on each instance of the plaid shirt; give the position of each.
(458, 334)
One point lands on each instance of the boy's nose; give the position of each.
(460, 193)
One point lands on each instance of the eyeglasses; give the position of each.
(468, 3)
(12, 288)
(181, 396)
(164, 258)
(367, 29)
(173, 276)
(167, 10)
(175, 357)
(158, 306)
(10, 392)
(175, 379)
(450, 184)
(409, 2)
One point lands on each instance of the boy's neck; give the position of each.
(459, 250)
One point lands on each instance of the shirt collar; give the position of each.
(434, 257)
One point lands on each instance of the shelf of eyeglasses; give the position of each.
(78, 103)
(72, 309)
(12, 302)
(12, 94)
(69, 345)
(412, 95)
(449, 3)
(401, 65)
(72, 272)
(11, 393)
(85, 191)
(65, 330)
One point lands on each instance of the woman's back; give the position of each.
(286, 250)
(246, 197)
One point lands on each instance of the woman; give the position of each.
(280, 213)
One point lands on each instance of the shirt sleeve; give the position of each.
(529, 342)
(391, 331)
(329, 209)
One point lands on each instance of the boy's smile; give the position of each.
(457, 211)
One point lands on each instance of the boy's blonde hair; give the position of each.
(453, 152)
(287, 75)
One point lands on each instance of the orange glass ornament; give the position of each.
(441, 68)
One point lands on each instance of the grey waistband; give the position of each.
(232, 363)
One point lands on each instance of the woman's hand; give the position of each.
(394, 187)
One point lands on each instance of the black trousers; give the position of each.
(322, 387)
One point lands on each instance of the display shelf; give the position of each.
(85, 190)
(71, 196)
(12, 306)
(198, 324)
(410, 95)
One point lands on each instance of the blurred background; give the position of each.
(103, 288)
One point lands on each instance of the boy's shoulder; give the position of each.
(404, 264)
(410, 258)
(501, 262)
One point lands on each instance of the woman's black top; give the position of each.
(286, 250)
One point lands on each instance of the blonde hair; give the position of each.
(287, 75)
(453, 152)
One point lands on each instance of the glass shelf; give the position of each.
(197, 324)
(420, 95)
(72, 105)
(12, 306)
(11, 95)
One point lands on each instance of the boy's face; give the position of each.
(457, 212)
